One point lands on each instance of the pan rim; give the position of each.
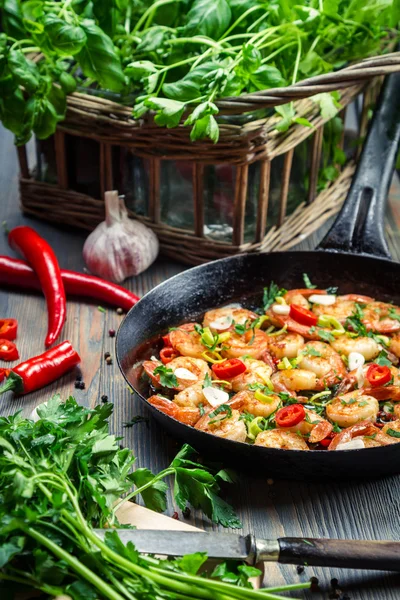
(232, 259)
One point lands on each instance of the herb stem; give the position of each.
(75, 564)
(149, 13)
(144, 487)
(240, 19)
(195, 40)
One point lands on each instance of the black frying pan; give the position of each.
(355, 258)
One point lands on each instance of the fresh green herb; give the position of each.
(362, 403)
(271, 293)
(240, 329)
(222, 408)
(347, 403)
(207, 381)
(135, 420)
(310, 421)
(307, 282)
(336, 428)
(101, 309)
(393, 433)
(382, 359)
(167, 377)
(198, 328)
(310, 351)
(333, 290)
(326, 336)
(393, 314)
(201, 409)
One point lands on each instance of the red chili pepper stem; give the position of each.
(14, 382)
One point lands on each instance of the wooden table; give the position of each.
(367, 510)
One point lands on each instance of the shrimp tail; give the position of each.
(187, 415)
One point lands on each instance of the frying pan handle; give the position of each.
(348, 554)
(359, 227)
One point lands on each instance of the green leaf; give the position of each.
(99, 60)
(287, 113)
(45, 118)
(24, 71)
(307, 282)
(141, 68)
(207, 127)
(32, 10)
(154, 497)
(81, 590)
(222, 513)
(382, 359)
(302, 121)
(11, 19)
(267, 77)
(208, 17)
(65, 39)
(167, 377)
(202, 110)
(191, 563)
(114, 542)
(153, 39)
(10, 549)
(67, 82)
(393, 433)
(17, 115)
(251, 58)
(105, 446)
(190, 86)
(328, 104)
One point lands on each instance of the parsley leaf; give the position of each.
(325, 335)
(393, 433)
(333, 290)
(310, 351)
(222, 408)
(271, 293)
(382, 359)
(167, 376)
(307, 282)
(393, 314)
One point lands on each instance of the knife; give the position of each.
(348, 554)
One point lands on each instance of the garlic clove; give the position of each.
(182, 373)
(281, 309)
(214, 396)
(119, 247)
(354, 444)
(324, 299)
(356, 360)
(221, 323)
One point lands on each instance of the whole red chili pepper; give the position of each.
(18, 272)
(44, 262)
(8, 350)
(8, 329)
(41, 370)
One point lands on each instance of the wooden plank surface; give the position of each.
(348, 510)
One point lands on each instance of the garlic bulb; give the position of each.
(119, 247)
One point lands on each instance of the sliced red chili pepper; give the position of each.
(303, 315)
(8, 329)
(378, 375)
(167, 354)
(229, 368)
(8, 350)
(4, 373)
(41, 370)
(166, 340)
(291, 415)
(326, 442)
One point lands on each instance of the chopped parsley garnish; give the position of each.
(240, 329)
(393, 433)
(167, 376)
(362, 403)
(336, 428)
(333, 290)
(310, 351)
(308, 420)
(326, 336)
(271, 293)
(351, 401)
(307, 282)
(201, 408)
(382, 359)
(393, 314)
(223, 408)
(207, 381)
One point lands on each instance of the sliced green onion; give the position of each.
(383, 338)
(207, 337)
(253, 428)
(280, 300)
(331, 322)
(267, 381)
(319, 395)
(284, 364)
(260, 321)
(223, 337)
(279, 332)
(212, 357)
(264, 398)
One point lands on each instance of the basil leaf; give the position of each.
(208, 17)
(67, 82)
(98, 58)
(251, 58)
(328, 103)
(65, 39)
(58, 100)
(32, 10)
(45, 118)
(169, 111)
(11, 19)
(205, 127)
(24, 71)
(267, 77)
(189, 87)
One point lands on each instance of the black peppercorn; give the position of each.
(111, 333)
(104, 398)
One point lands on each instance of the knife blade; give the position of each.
(352, 554)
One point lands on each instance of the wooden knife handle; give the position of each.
(350, 554)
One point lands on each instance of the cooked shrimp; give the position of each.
(253, 343)
(395, 425)
(191, 396)
(231, 428)
(352, 408)
(286, 344)
(396, 410)
(186, 342)
(188, 415)
(250, 404)
(394, 345)
(324, 361)
(343, 308)
(353, 381)
(300, 296)
(296, 380)
(314, 425)
(366, 346)
(370, 435)
(256, 372)
(222, 319)
(285, 440)
(197, 367)
(376, 317)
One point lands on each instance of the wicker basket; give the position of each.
(99, 146)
